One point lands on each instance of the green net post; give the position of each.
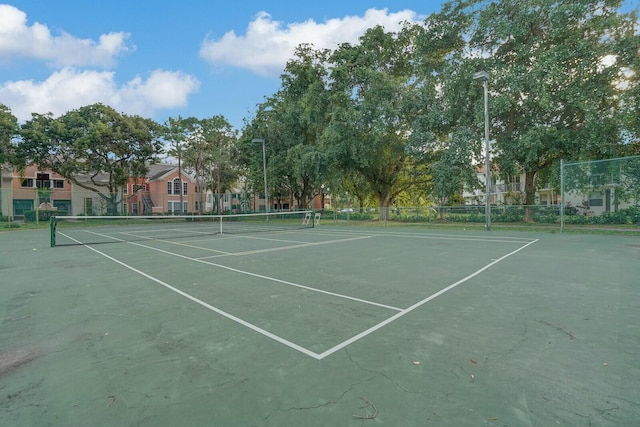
(52, 230)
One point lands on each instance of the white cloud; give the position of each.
(268, 44)
(161, 90)
(19, 40)
(70, 88)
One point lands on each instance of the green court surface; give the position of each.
(329, 326)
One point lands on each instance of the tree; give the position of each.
(555, 68)
(94, 147)
(204, 148)
(291, 122)
(216, 149)
(176, 132)
(8, 132)
(372, 84)
(453, 169)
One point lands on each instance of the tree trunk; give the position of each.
(384, 200)
(529, 195)
(441, 212)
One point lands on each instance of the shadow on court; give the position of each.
(334, 326)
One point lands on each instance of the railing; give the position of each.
(507, 188)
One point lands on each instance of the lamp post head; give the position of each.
(483, 76)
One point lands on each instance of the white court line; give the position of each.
(416, 305)
(302, 245)
(209, 306)
(200, 231)
(221, 253)
(106, 236)
(270, 239)
(187, 245)
(461, 238)
(317, 356)
(497, 239)
(273, 279)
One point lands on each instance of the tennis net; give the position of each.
(89, 230)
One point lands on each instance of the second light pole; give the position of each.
(483, 76)
(264, 170)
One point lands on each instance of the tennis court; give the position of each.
(318, 326)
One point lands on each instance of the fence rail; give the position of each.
(501, 215)
(32, 206)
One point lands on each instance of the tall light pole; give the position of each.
(264, 170)
(483, 76)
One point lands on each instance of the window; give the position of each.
(63, 206)
(88, 206)
(58, 183)
(27, 183)
(174, 208)
(595, 199)
(43, 180)
(173, 187)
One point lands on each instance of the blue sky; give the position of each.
(161, 58)
(164, 58)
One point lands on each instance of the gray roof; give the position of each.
(158, 171)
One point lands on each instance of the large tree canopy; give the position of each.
(94, 147)
(556, 71)
(291, 123)
(205, 148)
(8, 132)
(402, 111)
(373, 86)
(397, 115)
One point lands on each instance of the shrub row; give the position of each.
(510, 215)
(43, 215)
